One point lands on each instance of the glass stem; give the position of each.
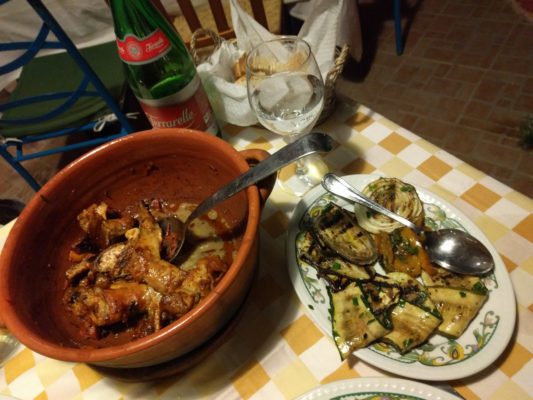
(301, 164)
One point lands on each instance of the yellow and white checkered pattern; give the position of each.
(275, 351)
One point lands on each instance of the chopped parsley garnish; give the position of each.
(407, 188)
(479, 288)
(396, 238)
(410, 249)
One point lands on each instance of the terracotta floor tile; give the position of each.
(448, 109)
(475, 59)
(488, 90)
(478, 109)
(500, 155)
(432, 6)
(483, 124)
(513, 142)
(465, 74)
(512, 64)
(442, 86)
(464, 144)
(524, 103)
(455, 8)
(408, 120)
(526, 165)
(439, 54)
(507, 116)
(528, 86)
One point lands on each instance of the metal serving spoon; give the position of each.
(308, 144)
(452, 249)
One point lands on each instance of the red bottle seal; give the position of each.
(137, 51)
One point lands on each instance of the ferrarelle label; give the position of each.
(189, 108)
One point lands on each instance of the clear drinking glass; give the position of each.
(286, 92)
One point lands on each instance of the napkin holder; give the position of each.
(201, 53)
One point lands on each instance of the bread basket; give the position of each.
(201, 53)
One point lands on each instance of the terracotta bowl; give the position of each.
(169, 164)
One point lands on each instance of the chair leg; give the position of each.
(398, 26)
(20, 169)
(71, 49)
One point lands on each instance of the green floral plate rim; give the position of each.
(376, 389)
(440, 358)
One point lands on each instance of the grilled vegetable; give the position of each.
(337, 229)
(402, 251)
(335, 282)
(381, 294)
(395, 195)
(327, 262)
(412, 326)
(354, 323)
(445, 278)
(414, 292)
(457, 307)
(396, 308)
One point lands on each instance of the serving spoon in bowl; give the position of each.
(305, 145)
(452, 249)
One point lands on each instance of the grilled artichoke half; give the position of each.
(338, 230)
(397, 196)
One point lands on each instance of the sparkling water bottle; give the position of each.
(159, 68)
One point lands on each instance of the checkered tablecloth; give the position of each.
(275, 351)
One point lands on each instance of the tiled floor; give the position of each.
(465, 82)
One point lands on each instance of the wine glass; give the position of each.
(8, 344)
(286, 92)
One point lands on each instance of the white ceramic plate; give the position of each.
(376, 388)
(440, 359)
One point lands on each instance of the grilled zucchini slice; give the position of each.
(458, 307)
(414, 292)
(381, 294)
(445, 278)
(354, 324)
(412, 326)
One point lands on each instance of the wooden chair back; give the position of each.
(219, 16)
(221, 19)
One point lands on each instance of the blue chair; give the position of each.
(35, 113)
(397, 6)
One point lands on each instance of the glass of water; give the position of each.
(286, 92)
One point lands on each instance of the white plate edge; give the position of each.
(397, 386)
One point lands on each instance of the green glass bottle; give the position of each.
(159, 68)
